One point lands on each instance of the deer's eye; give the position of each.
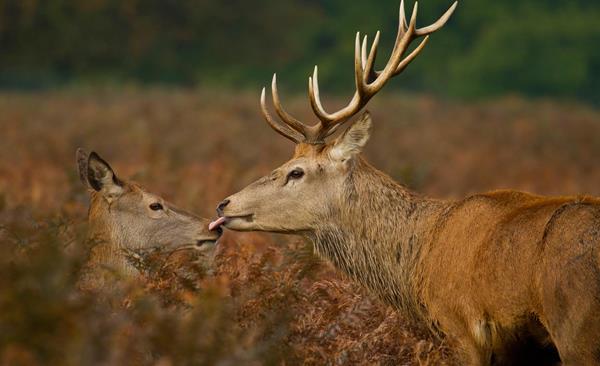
(156, 206)
(295, 174)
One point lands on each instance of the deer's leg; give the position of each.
(474, 354)
(475, 342)
(577, 334)
(571, 308)
(580, 349)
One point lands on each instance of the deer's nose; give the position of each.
(222, 206)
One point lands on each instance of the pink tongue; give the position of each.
(215, 224)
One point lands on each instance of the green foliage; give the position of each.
(540, 48)
(542, 52)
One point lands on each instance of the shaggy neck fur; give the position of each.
(377, 234)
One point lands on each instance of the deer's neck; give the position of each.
(108, 254)
(377, 234)
(107, 258)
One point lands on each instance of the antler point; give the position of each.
(263, 96)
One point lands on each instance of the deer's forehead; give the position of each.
(135, 195)
(305, 162)
(310, 152)
(138, 192)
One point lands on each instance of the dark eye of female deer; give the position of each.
(156, 206)
(295, 174)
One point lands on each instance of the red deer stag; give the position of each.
(124, 219)
(507, 274)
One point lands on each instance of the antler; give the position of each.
(368, 81)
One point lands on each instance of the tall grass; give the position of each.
(263, 305)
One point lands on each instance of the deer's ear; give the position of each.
(352, 141)
(101, 177)
(81, 156)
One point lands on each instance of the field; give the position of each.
(269, 301)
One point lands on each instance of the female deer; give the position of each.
(125, 219)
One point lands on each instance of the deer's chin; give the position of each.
(240, 223)
(207, 248)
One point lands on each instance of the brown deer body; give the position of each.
(513, 277)
(125, 220)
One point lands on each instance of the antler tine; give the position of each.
(315, 97)
(285, 116)
(408, 59)
(363, 52)
(402, 25)
(359, 64)
(280, 128)
(438, 24)
(369, 74)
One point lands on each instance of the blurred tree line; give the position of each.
(537, 48)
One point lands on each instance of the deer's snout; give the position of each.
(209, 237)
(222, 206)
